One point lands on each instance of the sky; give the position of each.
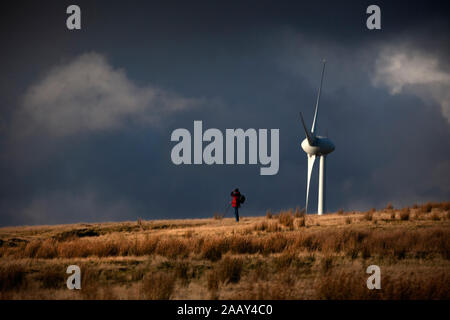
(86, 116)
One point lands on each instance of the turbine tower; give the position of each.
(317, 146)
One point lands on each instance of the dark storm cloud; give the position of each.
(244, 64)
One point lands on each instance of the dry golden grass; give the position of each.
(404, 214)
(284, 255)
(158, 285)
(12, 276)
(404, 284)
(286, 219)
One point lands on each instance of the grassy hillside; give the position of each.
(284, 255)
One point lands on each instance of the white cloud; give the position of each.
(403, 69)
(87, 95)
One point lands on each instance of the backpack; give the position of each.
(242, 199)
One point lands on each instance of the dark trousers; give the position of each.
(236, 213)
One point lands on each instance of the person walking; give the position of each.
(236, 202)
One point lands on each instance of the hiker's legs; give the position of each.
(236, 213)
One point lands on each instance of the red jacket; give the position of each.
(236, 202)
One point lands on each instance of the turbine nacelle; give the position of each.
(320, 146)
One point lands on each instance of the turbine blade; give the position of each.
(311, 159)
(314, 124)
(308, 135)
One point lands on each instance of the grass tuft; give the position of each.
(405, 214)
(12, 277)
(158, 285)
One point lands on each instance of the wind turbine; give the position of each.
(316, 146)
